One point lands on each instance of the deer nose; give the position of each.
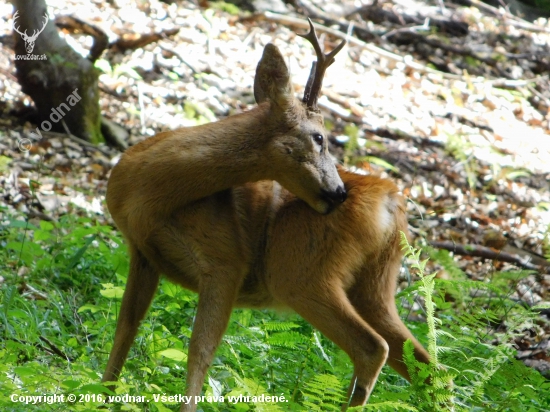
(337, 196)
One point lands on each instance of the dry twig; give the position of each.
(489, 253)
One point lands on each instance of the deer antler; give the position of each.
(37, 32)
(315, 80)
(15, 16)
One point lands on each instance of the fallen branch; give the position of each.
(315, 12)
(132, 41)
(179, 56)
(379, 15)
(75, 25)
(507, 17)
(78, 140)
(406, 60)
(488, 253)
(55, 349)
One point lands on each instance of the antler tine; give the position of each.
(37, 32)
(311, 36)
(315, 80)
(16, 29)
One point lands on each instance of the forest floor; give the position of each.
(451, 101)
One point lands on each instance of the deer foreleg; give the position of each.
(216, 297)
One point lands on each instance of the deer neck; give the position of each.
(180, 167)
(225, 153)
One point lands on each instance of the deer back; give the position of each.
(281, 139)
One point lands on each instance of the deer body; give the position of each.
(238, 211)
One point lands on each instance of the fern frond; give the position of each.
(440, 391)
(287, 339)
(279, 326)
(323, 393)
(386, 406)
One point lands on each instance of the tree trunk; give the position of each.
(62, 84)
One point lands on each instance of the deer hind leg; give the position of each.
(374, 299)
(141, 286)
(329, 310)
(386, 321)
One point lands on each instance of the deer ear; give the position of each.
(272, 79)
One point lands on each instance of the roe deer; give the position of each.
(246, 212)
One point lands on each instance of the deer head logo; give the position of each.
(29, 40)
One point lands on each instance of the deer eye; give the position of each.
(318, 138)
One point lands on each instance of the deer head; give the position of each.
(300, 146)
(29, 40)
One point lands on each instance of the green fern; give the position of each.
(474, 344)
(439, 393)
(471, 328)
(287, 339)
(279, 326)
(323, 393)
(385, 406)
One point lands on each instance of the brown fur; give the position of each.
(200, 206)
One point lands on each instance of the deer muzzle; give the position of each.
(334, 197)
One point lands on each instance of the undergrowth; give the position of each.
(470, 342)
(60, 291)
